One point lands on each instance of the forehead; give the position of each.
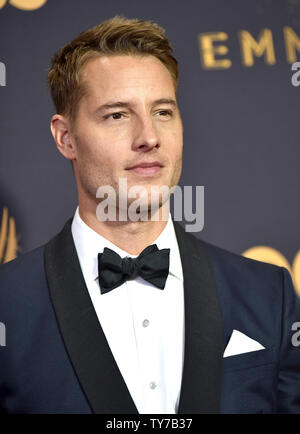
(126, 75)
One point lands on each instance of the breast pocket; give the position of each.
(249, 360)
(249, 382)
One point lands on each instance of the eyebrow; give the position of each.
(121, 104)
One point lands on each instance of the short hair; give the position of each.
(116, 36)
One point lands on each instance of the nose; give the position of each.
(145, 134)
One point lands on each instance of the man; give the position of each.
(138, 316)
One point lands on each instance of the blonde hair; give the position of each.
(115, 36)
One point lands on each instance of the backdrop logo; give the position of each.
(25, 5)
(214, 48)
(296, 76)
(2, 335)
(2, 74)
(8, 238)
(272, 256)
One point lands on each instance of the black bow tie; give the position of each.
(152, 265)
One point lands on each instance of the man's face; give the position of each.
(129, 116)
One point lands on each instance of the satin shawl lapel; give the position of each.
(202, 372)
(89, 352)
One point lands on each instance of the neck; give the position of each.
(132, 237)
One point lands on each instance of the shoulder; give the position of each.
(238, 264)
(23, 275)
(29, 268)
(236, 271)
(22, 262)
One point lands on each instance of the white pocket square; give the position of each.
(240, 343)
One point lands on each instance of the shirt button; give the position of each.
(152, 385)
(146, 322)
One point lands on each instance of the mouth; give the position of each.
(146, 169)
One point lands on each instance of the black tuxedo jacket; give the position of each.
(57, 360)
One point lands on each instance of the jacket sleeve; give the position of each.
(288, 395)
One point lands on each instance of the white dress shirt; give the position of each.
(143, 325)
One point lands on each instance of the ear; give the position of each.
(61, 131)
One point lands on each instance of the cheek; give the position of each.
(102, 143)
(175, 145)
(97, 156)
(173, 135)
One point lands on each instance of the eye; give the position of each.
(116, 116)
(165, 113)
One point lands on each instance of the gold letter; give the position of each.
(292, 43)
(208, 50)
(264, 46)
(2, 3)
(27, 5)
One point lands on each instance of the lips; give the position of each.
(146, 168)
(146, 165)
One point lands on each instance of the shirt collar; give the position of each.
(89, 243)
